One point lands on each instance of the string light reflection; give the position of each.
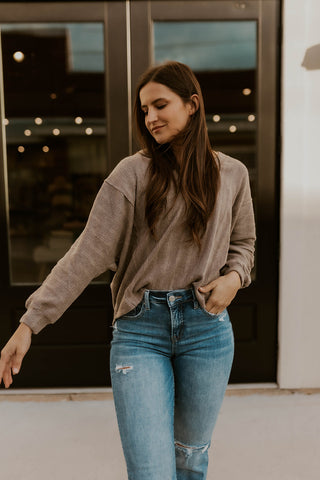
(18, 56)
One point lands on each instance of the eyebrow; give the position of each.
(155, 101)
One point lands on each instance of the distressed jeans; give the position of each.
(170, 364)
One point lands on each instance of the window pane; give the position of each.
(56, 138)
(223, 55)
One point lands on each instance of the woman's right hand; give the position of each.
(13, 353)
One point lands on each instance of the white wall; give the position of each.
(299, 317)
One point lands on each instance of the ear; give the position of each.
(194, 103)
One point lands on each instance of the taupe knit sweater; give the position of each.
(117, 238)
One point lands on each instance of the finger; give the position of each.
(214, 306)
(211, 306)
(207, 288)
(16, 363)
(3, 367)
(216, 311)
(7, 378)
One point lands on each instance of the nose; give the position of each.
(152, 115)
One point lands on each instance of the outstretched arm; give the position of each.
(95, 251)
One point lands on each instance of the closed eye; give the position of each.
(158, 107)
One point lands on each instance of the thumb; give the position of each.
(207, 288)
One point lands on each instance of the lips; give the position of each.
(156, 129)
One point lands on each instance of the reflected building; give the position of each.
(56, 138)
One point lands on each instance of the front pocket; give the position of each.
(221, 317)
(136, 312)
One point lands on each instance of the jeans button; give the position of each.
(172, 298)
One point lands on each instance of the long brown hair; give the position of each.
(199, 176)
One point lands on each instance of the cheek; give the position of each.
(184, 120)
(182, 116)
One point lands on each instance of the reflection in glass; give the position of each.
(223, 55)
(55, 131)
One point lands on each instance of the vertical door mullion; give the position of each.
(267, 186)
(140, 34)
(117, 97)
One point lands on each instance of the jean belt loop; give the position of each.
(146, 299)
(195, 301)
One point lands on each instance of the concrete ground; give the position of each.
(261, 434)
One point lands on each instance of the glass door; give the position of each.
(58, 143)
(231, 47)
(223, 55)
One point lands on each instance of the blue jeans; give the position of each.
(170, 364)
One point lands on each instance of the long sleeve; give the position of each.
(117, 237)
(96, 250)
(242, 239)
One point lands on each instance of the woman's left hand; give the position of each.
(223, 290)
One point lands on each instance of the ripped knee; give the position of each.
(123, 368)
(189, 450)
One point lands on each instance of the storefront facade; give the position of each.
(66, 109)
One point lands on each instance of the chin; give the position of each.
(162, 140)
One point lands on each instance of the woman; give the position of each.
(175, 222)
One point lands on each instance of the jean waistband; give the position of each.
(170, 297)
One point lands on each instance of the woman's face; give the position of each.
(166, 114)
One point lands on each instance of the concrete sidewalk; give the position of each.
(272, 435)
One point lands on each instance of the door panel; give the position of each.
(231, 47)
(57, 145)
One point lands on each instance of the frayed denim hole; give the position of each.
(190, 449)
(222, 317)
